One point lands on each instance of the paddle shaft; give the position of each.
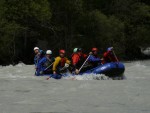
(49, 66)
(84, 63)
(115, 56)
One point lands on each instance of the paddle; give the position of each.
(115, 55)
(65, 67)
(84, 63)
(48, 66)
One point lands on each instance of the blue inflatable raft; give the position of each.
(110, 69)
(114, 69)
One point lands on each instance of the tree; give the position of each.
(21, 25)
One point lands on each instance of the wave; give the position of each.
(134, 70)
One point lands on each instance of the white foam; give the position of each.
(88, 77)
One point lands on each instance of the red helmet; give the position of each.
(94, 49)
(62, 51)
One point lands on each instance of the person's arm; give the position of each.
(75, 59)
(94, 59)
(35, 61)
(39, 67)
(85, 56)
(90, 59)
(97, 59)
(105, 55)
(57, 60)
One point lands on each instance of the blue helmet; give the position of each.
(109, 49)
(42, 53)
(79, 49)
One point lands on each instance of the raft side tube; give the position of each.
(109, 69)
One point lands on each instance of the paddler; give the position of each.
(109, 56)
(39, 54)
(78, 58)
(45, 64)
(94, 60)
(61, 63)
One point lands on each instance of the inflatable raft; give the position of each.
(114, 69)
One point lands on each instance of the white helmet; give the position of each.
(36, 48)
(48, 52)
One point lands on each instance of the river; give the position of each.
(21, 92)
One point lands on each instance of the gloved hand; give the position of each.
(48, 78)
(77, 71)
(36, 67)
(110, 49)
(54, 72)
(66, 65)
(90, 53)
(41, 72)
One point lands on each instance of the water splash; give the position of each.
(88, 77)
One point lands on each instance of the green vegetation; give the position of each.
(124, 24)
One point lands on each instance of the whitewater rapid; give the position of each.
(22, 92)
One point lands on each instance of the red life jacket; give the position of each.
(109, 57)
(62, 62)
(78, 59)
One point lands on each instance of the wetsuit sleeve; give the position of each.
(90, 58)
(38, 69)
(57, 60)
(39, 66)
(85, 56)
(94, 59)
(35, 60)
(105, 54)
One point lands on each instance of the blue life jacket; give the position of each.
(38, 57)
(43, 64)
(94, 61)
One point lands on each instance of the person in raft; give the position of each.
(78, 58)
(39, 54)
(94, 60)
(45, 64)
(61, 63)
(109, 56)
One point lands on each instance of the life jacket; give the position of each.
(62, 62)
(38, 57)
(109, 57)
(94, 60)
(48, 62)
(80, 59)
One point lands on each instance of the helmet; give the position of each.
(36, 48)
(75, 50)
(94, 49)
(62, 51)
(110, 49)
(79, 49)
(48, 52)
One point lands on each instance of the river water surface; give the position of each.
(21, 92)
